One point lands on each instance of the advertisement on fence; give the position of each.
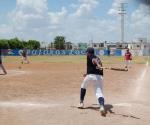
(113, 52)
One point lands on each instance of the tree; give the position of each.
(4, 44)
(59, 42)
(33, 44)
(25, 44)
(15, 43)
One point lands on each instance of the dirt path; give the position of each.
(48, 93)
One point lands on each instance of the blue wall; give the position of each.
(10, 52)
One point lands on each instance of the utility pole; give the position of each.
(92, 41)
(122, 13)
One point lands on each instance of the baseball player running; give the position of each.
(23, 53)
(93, 76)
(1, 64)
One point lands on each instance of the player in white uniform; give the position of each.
(93, 76)
(23, 53)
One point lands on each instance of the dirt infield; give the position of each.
(47, 93)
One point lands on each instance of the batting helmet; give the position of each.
(90, 50)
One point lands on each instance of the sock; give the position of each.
(82, 94)
(101, 101)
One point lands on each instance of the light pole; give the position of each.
(122, 13)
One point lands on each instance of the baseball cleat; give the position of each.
(102, 110)
(81, 105)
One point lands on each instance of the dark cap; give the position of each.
(90, 50)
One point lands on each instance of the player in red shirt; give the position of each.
(128, 58)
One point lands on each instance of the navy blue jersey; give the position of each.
(92, 68)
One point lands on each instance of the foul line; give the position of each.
(140, 81)
(27, 104)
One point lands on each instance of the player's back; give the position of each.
(92, 68)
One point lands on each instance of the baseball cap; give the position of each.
(90, 50)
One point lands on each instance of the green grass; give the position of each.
(47, 59)
(74, 59)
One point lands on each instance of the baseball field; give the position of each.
(46, 92)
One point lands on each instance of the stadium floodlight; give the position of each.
(122, 13)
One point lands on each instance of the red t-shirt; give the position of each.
(128, 56)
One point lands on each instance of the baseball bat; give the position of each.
(113, 68)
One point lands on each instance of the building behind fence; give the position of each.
(139, 47)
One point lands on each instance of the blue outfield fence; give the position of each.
(15, 52)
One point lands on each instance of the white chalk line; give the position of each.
(140, 81)
(137, 89)
(28, 104)
(133, 105)
(15, 72)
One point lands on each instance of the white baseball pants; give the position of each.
(96, 81)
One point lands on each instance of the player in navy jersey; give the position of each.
(1, 63)
(93, 76)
